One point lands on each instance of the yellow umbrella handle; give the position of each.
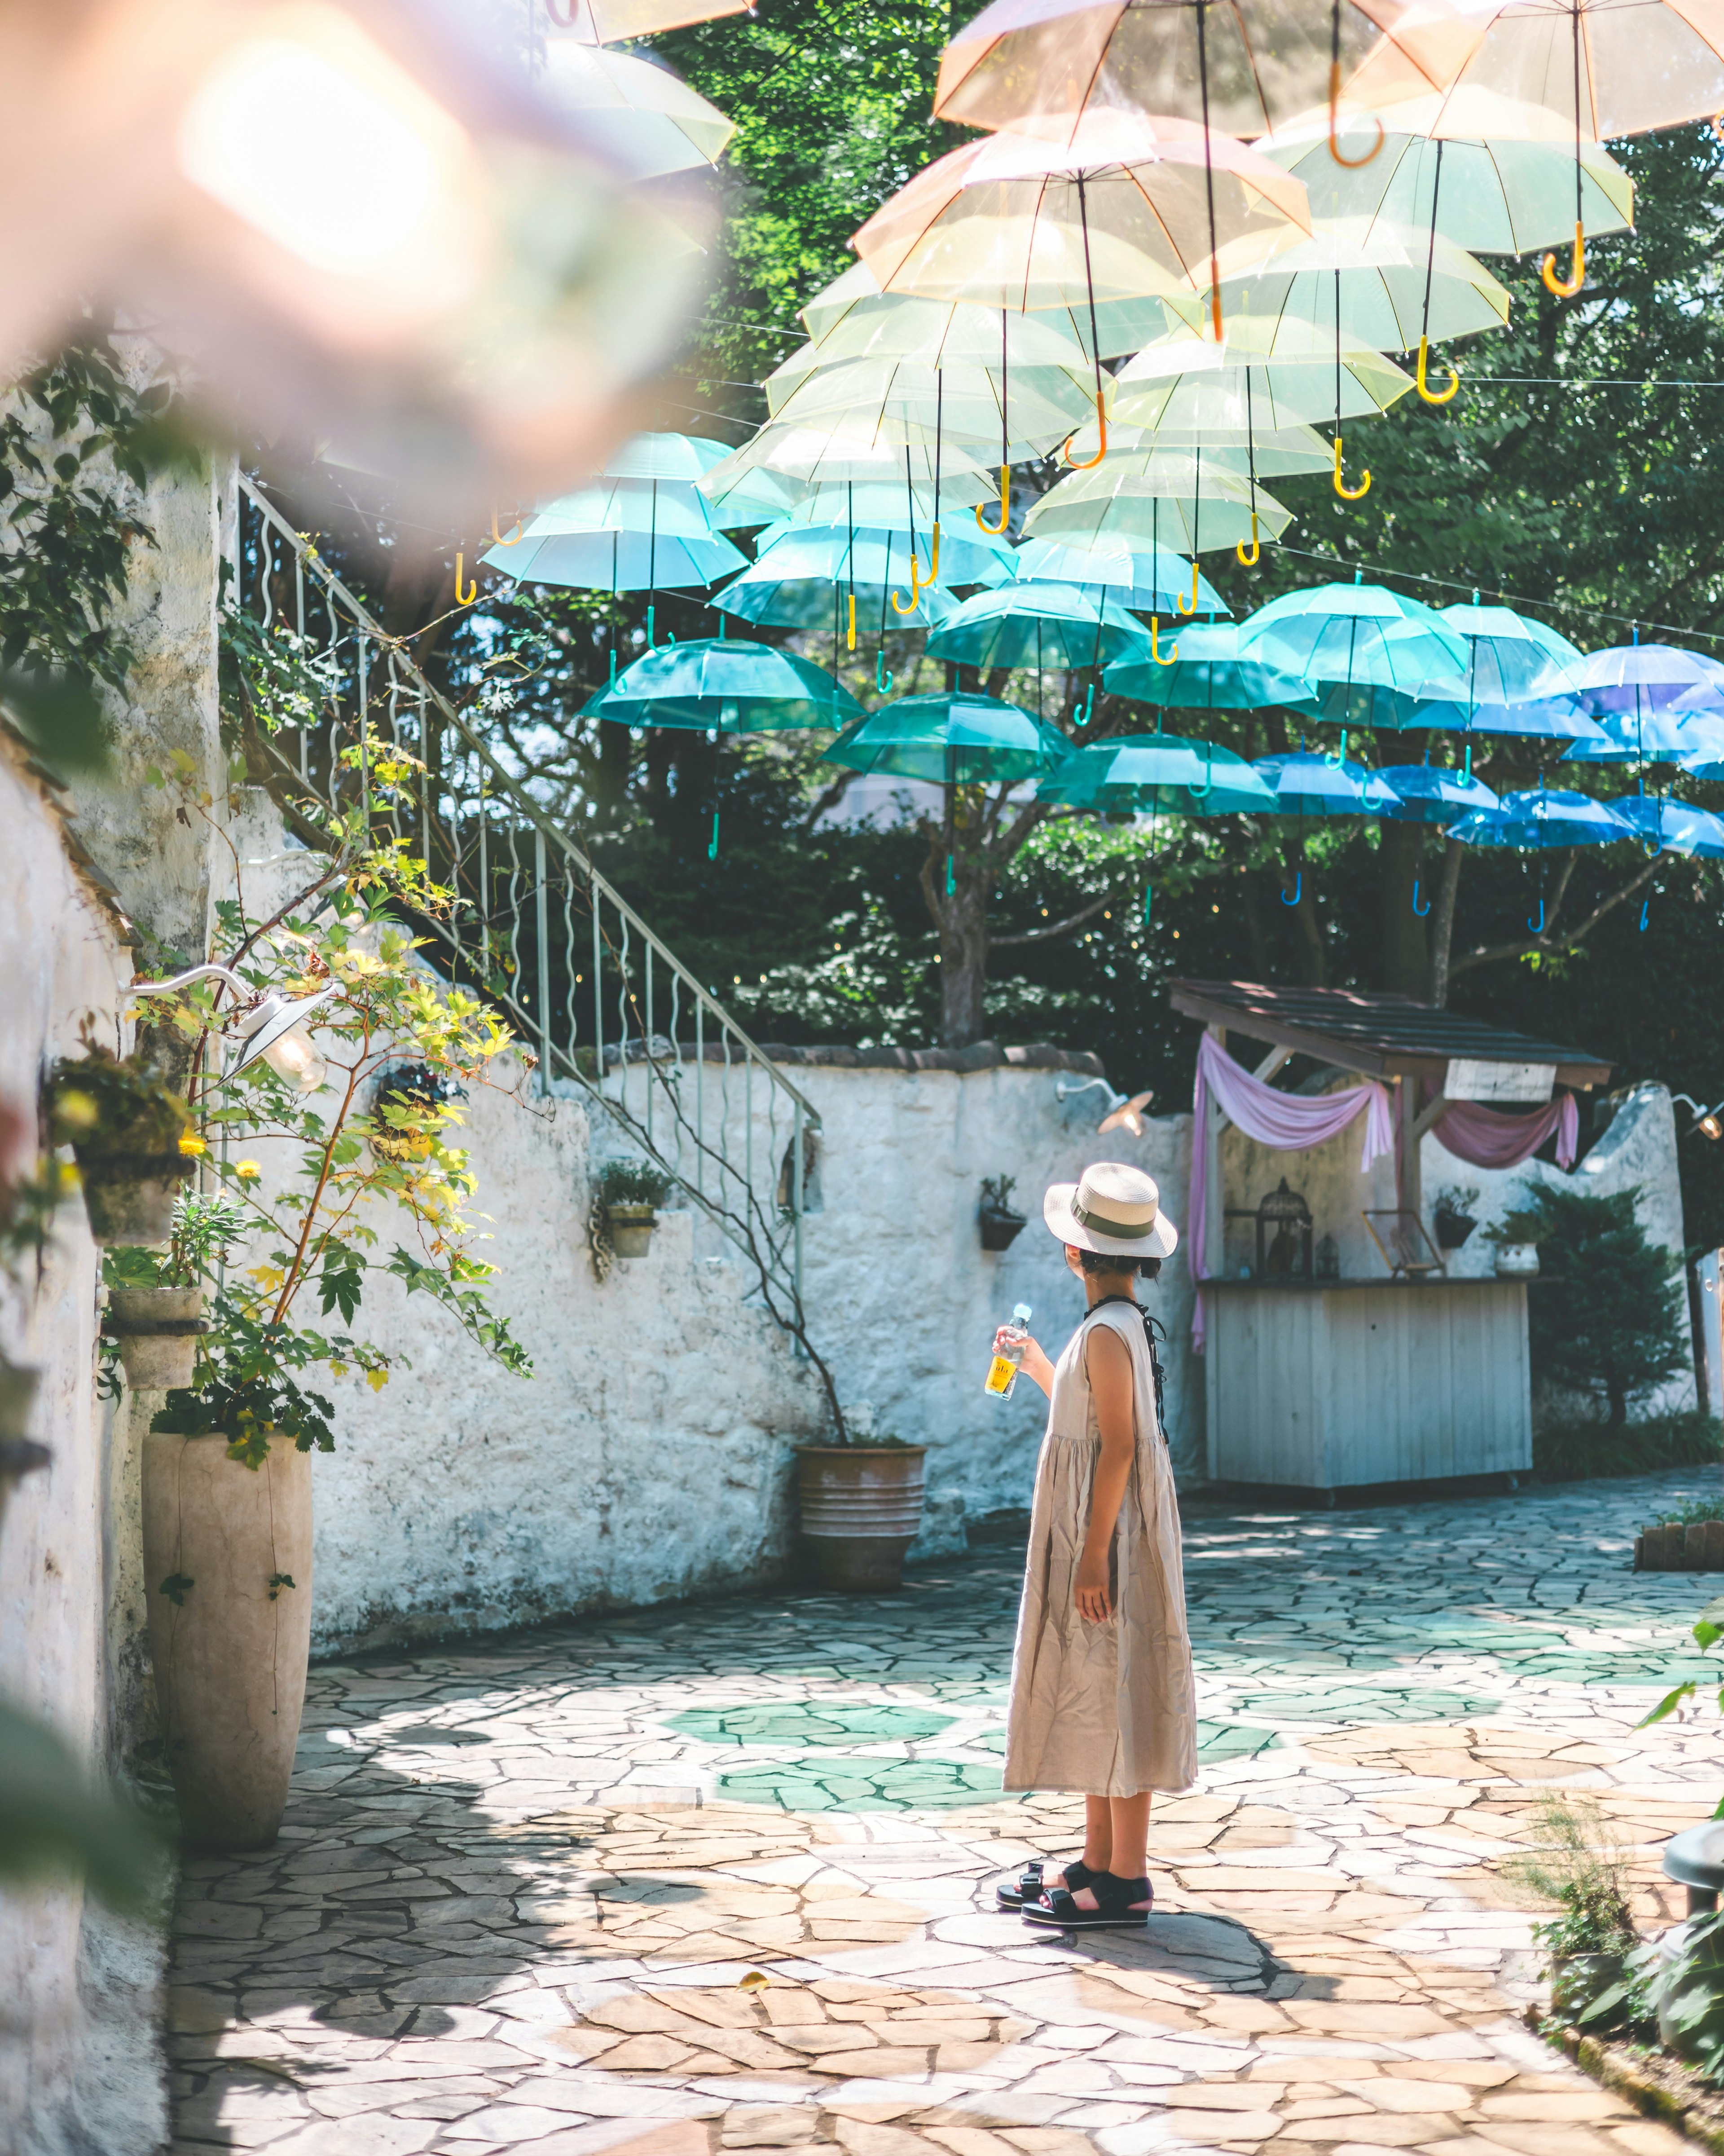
(1250, 561)
(1171, 655)
(1434, 396)
(850, 634)
(1189, 605)
(466, 597)
(514, 532)
(1352, 164)
(1005, 505)
(1348, 493)
(1089, 463)
(918, 583)
(1553, 282)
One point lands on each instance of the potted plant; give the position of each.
(226, 1495)
(1516, 1239)
(1000, 1222)
(1576, 1870)
(1455, 1221)
(631, 1193)
(156, 1300)
(861, 1504)
(129, 1133)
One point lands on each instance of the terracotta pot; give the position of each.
(129, 1196)
(631, 1228)
(157, 1329)
(861, 1508)
(230, 1655)
(1000, 1230)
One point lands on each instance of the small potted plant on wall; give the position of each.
(631, 1193)
(1455, 1220)
(999, 1219)
(861, 1503)
(129, 1133)
(155, 1298)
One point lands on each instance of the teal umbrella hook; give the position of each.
(1644, 903)
(1298, 886)
(1148, 902)
(1421, 911)
(1538, 927)
(712, 850)
(882, 680)
(1338, 757)
(951, 874)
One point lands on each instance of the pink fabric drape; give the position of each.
(1484, 1137)
(1289, 1121)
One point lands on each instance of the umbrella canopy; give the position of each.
(674, 507)
(1678, 826)
(633, 110)
(1268, 454)
(1669, 735)
(1425, 794)
(1311, 785)
(1125, 210)
(832, 455)
(880, 502)
(1373, 657)
(882, 555)
(1015, 413)
(613, 560)
(664, 456)
(603, 21)
(1492, 196)
(738, 499)
(1522, 678)
(1149, 582)
(1541, 818)
(1149, 773)
(845, 312)
(770, 599)
(725, 683)
(1263, 373)
(951, 738)
(1208, 675)
(1036, 624)
(1388, 285)
(1176, 494)
(1642, 677)
(1244, 68)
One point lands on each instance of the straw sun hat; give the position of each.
(1115, 1210)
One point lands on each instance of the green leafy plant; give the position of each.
(996, 1194)
(1569, 1449)
(205, 1229)
(101, 1104)
(633, 1182)
(1576, 1868)
(1708, 1631)
(1690, 1996)
(1696, 1510)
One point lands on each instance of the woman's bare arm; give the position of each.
(1113, 1388)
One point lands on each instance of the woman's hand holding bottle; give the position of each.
(1028, 1355)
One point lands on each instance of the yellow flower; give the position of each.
(192, 1145)
(248, 1171)
(78, 1111)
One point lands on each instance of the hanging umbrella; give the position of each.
(1201, 671)
(854, 316)
(1540, 818)
(633, 110)
(833, 455)
(1176, 494)
(880, 502)
(1243, 68)
(1262, 374)
(765, 596)
(1666, 735)
(951, 738)
(1426, 793)
(742, 498)
(1522, 678)
(1157, 772)
(877, 555)
(603, 21)
(1269, 454)
(1306, 785)
(1490, 195)
(1148, 582)
(725, 683)
(1059, 625)
(1390, 286)
(1022, 414)
(619, 561)
(674, 508)
(1678, 826)
(664, 457)
(1372, 656)
(1642, 677)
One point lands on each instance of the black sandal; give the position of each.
(1030, 1887)
(1059, 1911)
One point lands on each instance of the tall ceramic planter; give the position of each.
(157, 1329)
(861, 1509)
(129, 1196)
(231, 1638)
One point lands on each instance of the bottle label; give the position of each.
(1002, 1375)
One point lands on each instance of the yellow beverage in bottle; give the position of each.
(1003, 1366)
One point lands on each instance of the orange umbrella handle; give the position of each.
(1171, 655)
(1250, 561)
(1434, 396)
(1005, 505)
(1352, 164)
(1554, 284)
(1089, 463)
(1348, 493)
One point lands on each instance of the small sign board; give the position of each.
(1519, 1083)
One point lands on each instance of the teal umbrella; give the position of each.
(882, 553)
(614, 560)
(1373, 657)
(1038, 624)
(951, 737)
(728, 683)
(673, 508)
(1148, 772)
(1311, 785)
(1148, 580)
(675, 457)
(1426, 793)
(1199, 669)
(1677, 826)
(1541, 818)
(1669, 735)
(770, 597)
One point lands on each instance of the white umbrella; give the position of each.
(829, 454)
(842, 319)
(1381, 284)
(636, 109)
(615, 22)
(1176, 499)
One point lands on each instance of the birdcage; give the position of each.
(1283, 1232)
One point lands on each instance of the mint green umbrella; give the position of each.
(1370, 656)
(951, 737)
(1147, 772)
(1038, 624)
(725, 683)
(1199, 669)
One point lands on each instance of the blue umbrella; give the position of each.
(1426, 793)
(1199, 669)
(953, 737)
(1541, 818)
(1148, 583)
(1642, 677)
(725, 683)
(619, 561)
(673, 508)
(1373, 657)
(1522, 677)
(1668, 735)
(1308, 784)
(1677, 826)
(1037, 624)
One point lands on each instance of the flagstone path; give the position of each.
(720, 1879)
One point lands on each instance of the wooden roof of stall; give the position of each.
(1382, 1036)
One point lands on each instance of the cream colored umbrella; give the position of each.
(615, 22)
(828, 455)
(1024, 412)
(1264, 374)
(1172, 498)
(1269, 454)
(1380, 284)
(643, 115)
(852, 316)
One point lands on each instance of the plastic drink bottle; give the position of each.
(1003, 1369)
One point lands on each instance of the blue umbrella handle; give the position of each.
(951, 874)
(1421, 911)
(882, 680)
(1148, 902)
(712, 850)
(1298, 886)
(1644, 903)
(1537, 926)
(1338, 759)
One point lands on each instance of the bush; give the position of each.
(633, 1182)
(1575, 1451)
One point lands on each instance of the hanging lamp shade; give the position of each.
(951, 738)
(1540, 818)
(1145, 773)
(1265, 373)
(1391, 286)
(646, 118)
(1146, 581)
(1207, 674)
(1308, 784)
(1061, 626)
(1424, 793)
(730, 684)
(619, 561)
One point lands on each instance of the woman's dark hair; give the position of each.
(1104, 1261)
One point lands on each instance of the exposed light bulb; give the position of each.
(297, 1057)
(1709, 1127)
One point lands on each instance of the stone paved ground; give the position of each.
(528, 1890)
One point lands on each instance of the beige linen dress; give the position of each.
(1108, 1709)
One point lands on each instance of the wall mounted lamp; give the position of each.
(1708, 1121)
(274, 1027)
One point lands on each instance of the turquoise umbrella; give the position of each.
(770, 599)
(1541, 818)
(1426, 793)
(882, 554)
(674, 509)
(619, 561)
(1200, 670)
(729, 684)
(1151, 773)
(1373, 657)
(1666, 735)
(1038, 624)
(1148, 580)
(951, 738)
(1310, 785)
(757, 496)
(1677, 826)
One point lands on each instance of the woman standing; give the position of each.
(1102, 1698)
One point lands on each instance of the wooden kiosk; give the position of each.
(1322, 1385)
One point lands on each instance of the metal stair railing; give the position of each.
(531, 926)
